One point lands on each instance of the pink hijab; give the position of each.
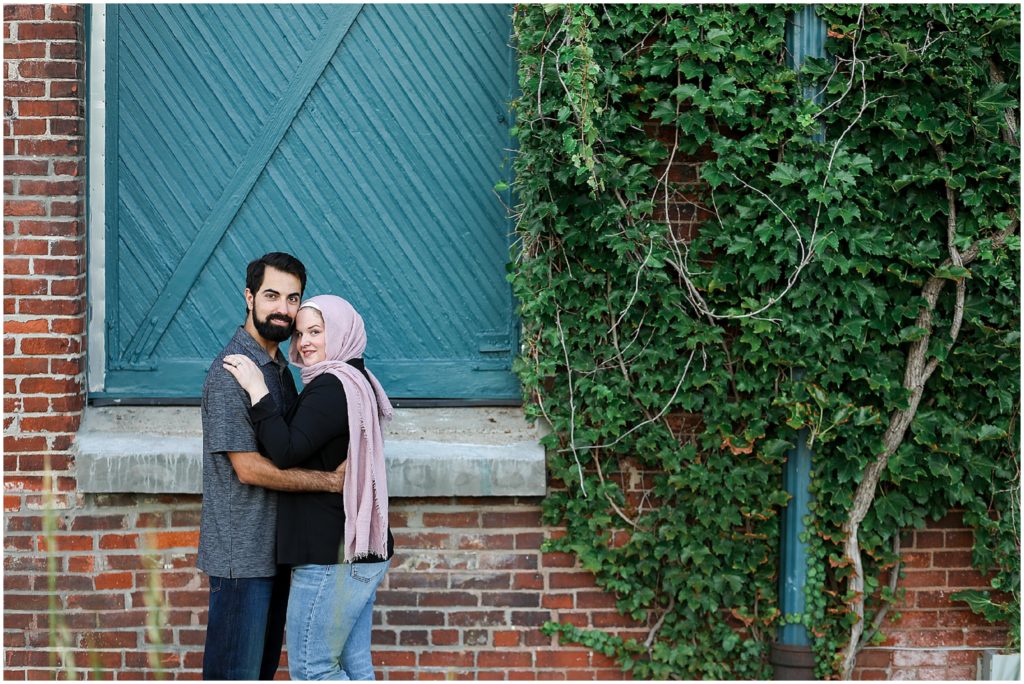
(366, 487)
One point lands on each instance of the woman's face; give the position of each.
(311, 336)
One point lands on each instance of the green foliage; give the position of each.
(793, 307)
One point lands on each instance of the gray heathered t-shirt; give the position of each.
(238, 527)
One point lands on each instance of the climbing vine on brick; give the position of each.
(799, 302)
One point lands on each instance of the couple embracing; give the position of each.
(294, 534)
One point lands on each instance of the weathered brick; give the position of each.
(50, 188)
(414, 617)
(24, 208)
(928, 539)
(64, 423)
(570, 580)
(50, 345)
(26, 127)
(66, 12)
(26, 167)
(966, 578)
(25, 366)
(923, 579)
(55, 307)
(50, 228)
(458, 519)
(24, 13)
(506, 520)
(66, 127)
(446, 659)
(477, 618)
(48, 108)
(558, 601)
(562, 659)
(506, 639)
(70, 542)
(500, 659)
(444, 637)
(66, 168)
(119, 541)
(71, 266)
(959, 539)
(25, 247)
(60, 50)
(435, 599)
(172, 540)
(49, 148)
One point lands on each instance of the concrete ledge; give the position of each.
(109, 462)
(429, 452)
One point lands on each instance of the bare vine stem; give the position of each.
(649, 642)
(615, 507)
(662, 412)
(806, 250)
(572, 401)
(883, 610)
(918, 371)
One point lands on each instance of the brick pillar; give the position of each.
(44, 243)
(44, 291)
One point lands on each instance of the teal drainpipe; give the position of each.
(792, 657)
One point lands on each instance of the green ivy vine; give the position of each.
(864, 287)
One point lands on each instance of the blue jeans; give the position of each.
(330, 618)
(245, 627)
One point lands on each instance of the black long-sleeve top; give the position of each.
(314, 435)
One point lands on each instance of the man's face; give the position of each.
(274, 307)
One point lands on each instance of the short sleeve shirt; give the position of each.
(238, 528)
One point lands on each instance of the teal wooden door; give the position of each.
(364, 139)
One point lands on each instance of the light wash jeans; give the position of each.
(330, 617)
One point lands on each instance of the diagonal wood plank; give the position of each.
(174, 291)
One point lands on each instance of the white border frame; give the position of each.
(96, 51)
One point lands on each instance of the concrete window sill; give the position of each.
(429, 452)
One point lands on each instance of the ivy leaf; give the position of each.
(912, 333)
(996, 98)
(664, 111)
(981, 602)
(784, 174)
(866, 415)
(775, 447)
(987, 432)
(817, 394)
(861, 163)
(717, 35)
(904, 181)
(662, 67)
(902, 51)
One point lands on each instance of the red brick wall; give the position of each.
(468, 590)
(469, 586)
(935, 637)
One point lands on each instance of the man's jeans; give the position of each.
(245, 627)
(330, 618)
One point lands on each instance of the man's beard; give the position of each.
(270, 331)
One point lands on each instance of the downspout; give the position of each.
(792, 656)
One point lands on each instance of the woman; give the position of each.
(338, 416)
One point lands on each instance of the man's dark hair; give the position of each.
(282, 261)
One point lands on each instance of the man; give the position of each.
(248, 595)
